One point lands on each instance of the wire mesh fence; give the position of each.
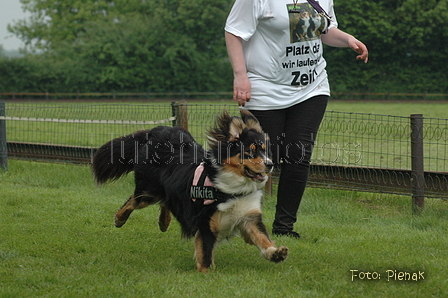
(189, 95)
(366, 140)
(80, 124)
(359, 151)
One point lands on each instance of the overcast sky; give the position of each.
(10, 10)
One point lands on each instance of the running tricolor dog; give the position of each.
(214, 194)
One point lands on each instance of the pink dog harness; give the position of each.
(202, 187)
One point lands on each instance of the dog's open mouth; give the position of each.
(254, 176)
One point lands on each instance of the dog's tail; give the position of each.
(117, 157)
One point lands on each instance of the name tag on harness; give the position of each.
(202, 192)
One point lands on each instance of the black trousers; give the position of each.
(292, 133)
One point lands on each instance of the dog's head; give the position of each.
(240, 146)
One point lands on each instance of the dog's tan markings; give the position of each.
(256, 164)
(215, 223)
(250, 121)
(236, 127)
(254, 232)
(236, 164)
(131, 204)
(199, 255)
(233, 164)
(215, 227)
(164, 218)
(124, 212)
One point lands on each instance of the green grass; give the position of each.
(57, 239)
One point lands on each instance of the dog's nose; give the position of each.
(269, 165)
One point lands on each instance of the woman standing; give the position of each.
(275, 48)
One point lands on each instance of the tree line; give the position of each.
(178, 45)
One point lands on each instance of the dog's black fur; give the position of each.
(164, 160)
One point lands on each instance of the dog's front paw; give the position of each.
(276, 255)
(203, 268)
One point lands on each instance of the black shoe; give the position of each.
(291, 234)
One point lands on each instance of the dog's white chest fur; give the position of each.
(232, 214)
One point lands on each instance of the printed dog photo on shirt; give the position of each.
(305, 23)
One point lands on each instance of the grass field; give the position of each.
(57, 239)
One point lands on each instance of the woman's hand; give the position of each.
(337, 38)
(241, 89)
(359, 48)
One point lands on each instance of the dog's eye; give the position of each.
(251, 151)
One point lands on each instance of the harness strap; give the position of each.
(202, 187)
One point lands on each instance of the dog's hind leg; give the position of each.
(125, 211)
(204, 244)
(164, 218)
(254, 232)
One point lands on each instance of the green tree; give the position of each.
(404, 41)
(134, 45)
(173, 45)
(55, 21)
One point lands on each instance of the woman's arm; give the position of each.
(338, 38)
(241, 84)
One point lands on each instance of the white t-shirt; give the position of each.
(282, 50)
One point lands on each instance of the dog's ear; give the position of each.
(226, 129)
(250, 121)
(236, 126)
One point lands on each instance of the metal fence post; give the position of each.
(3, 143)
(418, 173)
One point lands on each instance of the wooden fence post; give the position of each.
(3, 143)
(418, 172)
(180, 111)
